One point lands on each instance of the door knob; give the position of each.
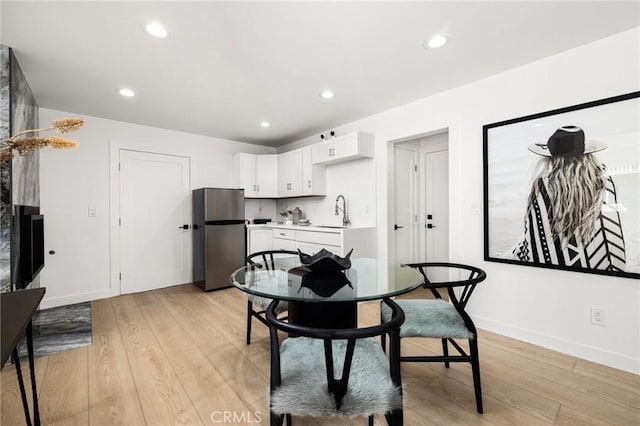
(429, 226)
(183, 227)
(396, 227)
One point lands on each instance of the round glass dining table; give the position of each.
(326, 300)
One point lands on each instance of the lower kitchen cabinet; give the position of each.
(284, 239)
(259, 239)
(311, 240)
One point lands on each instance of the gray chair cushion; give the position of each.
(304, 392)
(429, 318)
(261, 303)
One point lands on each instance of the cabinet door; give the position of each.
(314, 178)
(260, 240)
(346, 146)
(290, 174)
(295, 172)
(244, 173)
(323, 152)
(281, 244)
(284, 174)
(267, 175)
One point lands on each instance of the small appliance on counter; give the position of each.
(261, 221)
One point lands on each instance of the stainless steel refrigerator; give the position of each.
(219, 236)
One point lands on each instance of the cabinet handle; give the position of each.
(258, 188)
(309, 183)
(282, 233)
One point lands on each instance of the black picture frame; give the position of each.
(524, 177)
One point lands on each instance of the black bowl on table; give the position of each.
(325, 262)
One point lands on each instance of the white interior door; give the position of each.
(155, 201)
(405, 228)
(436, 182)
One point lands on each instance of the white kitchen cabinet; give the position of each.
(311, 239)
(267, 175)
(284, 239)
(286, 175)
(259, 239)
(256, 174)
(314, 177)
(350, 146)
(290, 174)
(244, 173)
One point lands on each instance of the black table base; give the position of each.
(324, 315)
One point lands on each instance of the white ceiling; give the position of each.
(226, 66)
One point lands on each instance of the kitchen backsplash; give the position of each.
(255, 208)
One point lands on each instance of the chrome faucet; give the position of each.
(345, 217)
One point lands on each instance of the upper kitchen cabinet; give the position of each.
(298, 176)
(344, 148)
(314, 177)
(290, 174)
(257, 174)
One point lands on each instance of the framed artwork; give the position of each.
(562, 188)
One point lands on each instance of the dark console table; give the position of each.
(17, 309)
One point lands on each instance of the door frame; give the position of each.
(114, 207)
(391, 219)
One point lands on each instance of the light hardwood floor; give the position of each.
(177, 356)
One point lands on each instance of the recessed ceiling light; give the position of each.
(327, 94)
(436, 42)
(265, 124)
(127, 93)
(157, 30)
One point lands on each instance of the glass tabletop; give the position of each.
(367, 279)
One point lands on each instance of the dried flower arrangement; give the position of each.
(287, 214)
(29, 140)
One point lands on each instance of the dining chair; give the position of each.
(437, 318)
(256, 305)
(335, 372)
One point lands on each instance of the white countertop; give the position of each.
(326, 228)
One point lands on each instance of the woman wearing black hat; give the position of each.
(571, 217)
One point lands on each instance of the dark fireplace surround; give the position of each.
(19, 182)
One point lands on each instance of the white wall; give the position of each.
(73, 181)
(545, 307)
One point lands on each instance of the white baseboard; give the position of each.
(53, 302)
(577, 349)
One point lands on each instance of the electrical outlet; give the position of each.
(598, 316)
(92, 212)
